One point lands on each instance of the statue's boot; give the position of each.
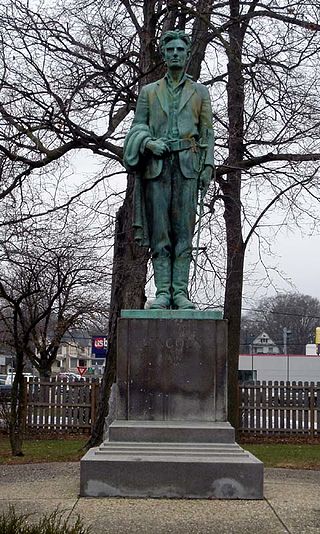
(162, 279)
(180, 278)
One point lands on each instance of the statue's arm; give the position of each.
(142, 109)
(138, 135)
(156, 146)
(141, 116)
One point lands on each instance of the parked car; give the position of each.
(10, 378)
(69, 376)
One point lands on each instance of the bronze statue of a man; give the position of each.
(170, 149)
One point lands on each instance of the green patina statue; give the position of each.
(170, 149)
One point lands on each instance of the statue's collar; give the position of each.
(185, 77)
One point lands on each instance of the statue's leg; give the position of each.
(162, 280)
(184, 206)
(158, 201)
(180, 278)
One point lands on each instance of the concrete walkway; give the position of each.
(292, 504)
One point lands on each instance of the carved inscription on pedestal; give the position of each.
(172, 369)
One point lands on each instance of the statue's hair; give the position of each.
(174, 34)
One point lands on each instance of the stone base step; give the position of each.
(188, 470)
(170, 451)
(172, 431)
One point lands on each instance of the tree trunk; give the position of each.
(128, 282)
(17, 419)
(232, 214)
(232, 307)
(199, 37)
(44, 366)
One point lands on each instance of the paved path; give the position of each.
(291, 504)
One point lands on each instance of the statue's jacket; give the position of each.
(151, 121)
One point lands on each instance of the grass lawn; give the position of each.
(302, 456)
(69, 449)
(44, 450)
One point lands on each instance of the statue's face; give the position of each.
(175, 54)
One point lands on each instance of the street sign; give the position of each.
(82, 370)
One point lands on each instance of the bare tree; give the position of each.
(52, 280)
(73, 85)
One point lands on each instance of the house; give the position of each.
(81, 350)
(71, 355)
(263, 344)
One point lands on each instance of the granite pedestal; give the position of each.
(171, 437)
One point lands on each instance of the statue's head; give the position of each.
(177, 43)
(174, 34)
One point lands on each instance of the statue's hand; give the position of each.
(205, 179)
(158, 147)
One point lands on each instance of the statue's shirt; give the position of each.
(173, 97)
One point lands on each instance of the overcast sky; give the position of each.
(293, 266)
(300, 259)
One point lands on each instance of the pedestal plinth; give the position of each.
(171, 437)
(171, 368)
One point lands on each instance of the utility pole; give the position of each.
(286, 332)
(251, 354)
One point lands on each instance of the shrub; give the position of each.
(13, 523)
